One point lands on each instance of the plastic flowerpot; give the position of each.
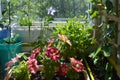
(7, 52)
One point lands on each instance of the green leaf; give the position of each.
(95, 14)
(106, 53)
(49, 68)
(96, 60)
(72, 74)
(94, 54)
(21, 54)
(107, 49)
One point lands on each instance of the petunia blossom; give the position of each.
(77, 65)
(64, 38)
(50, 42)
(13, 60)
(32, 65)
(35, 53)
(32, 62)
(53, 53)
(63, 69)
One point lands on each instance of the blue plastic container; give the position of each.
(4, 33)
(7, 52)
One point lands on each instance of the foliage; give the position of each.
(79, 33)
(105, 41)
(37, 8)
(105, 50)
(3, 23)
(21, 71)
(4, 19)
(11, 40)
(23, 21)
(67, 43)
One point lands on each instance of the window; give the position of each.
(37, 9)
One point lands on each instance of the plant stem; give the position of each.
(9, 26)
(88, 69)
(29, 17)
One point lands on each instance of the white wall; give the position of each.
(35, 31)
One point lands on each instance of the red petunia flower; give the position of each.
(64, 38)
(77, 65)
(53, 53)
(63, 69)
(32, 65)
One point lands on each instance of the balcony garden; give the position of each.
(59, 40)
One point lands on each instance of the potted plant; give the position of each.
(9, 46)
(63, 56)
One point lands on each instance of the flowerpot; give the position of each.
(8, 51)
(4, 33)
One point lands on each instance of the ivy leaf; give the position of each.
(107, 49)
(94, 54)
(95, 60)
(106, 53)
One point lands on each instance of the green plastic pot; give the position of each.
(7, 52)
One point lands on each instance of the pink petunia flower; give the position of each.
(64, 38)
(13, 60)
(63, 69)
(10, 63)
(53, 53)
(77, 65)
(50, 42)
(32, 65)
(35, 53)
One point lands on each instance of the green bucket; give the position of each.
(8, 51)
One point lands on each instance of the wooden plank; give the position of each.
(114, 18)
